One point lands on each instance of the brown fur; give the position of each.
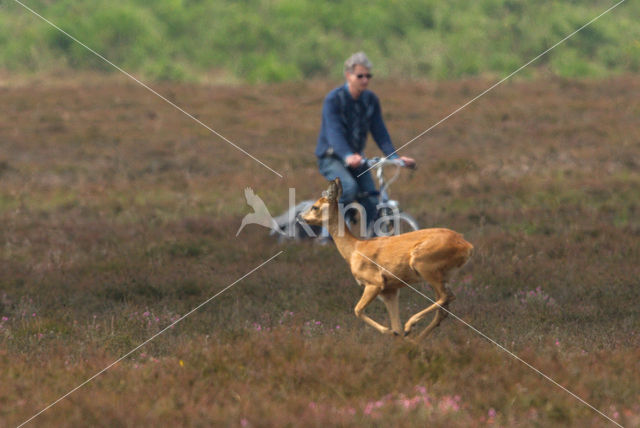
(384, 265)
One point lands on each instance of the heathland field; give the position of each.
(118, 215)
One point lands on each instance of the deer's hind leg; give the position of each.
(370, 293)
(441, 314)
(443, 297)
(390, 299)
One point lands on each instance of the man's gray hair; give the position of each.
(358, 58)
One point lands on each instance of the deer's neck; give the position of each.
(342, 236)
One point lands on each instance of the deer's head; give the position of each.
(319, 211)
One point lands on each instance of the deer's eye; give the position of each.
(314, 208)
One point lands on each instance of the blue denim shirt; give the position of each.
(346, 123)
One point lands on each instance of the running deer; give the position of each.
(383, 265)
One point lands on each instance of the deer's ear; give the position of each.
(338, 187)
(332, 191)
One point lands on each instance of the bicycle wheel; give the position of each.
(391, 223)
(407, 223)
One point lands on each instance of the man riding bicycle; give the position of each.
(349, 113)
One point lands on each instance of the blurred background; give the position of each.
(281, 40)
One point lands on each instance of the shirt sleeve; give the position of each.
(336, 132)
(379, 131)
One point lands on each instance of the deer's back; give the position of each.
(442, 249)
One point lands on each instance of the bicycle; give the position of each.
(391, 220)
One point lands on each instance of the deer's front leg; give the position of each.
(370, 293)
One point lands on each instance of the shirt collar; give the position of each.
(346, 88)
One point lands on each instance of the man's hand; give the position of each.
(354, 160)
(408, 162)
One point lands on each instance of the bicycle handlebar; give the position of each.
(378, 161)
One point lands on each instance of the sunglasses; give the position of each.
(368, 76)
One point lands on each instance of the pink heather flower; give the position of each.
(449, 403)
(244, 422)
(557, 342)
(33, 314)
(146, 314)
(337, 327)
(318, 323)
(492, 413)
(5, 319)
(313, 405)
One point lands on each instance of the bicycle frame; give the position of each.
(389, 208)
(390, 217)
(383, 185)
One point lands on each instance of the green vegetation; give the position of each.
(268, 40)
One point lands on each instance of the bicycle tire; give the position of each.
(404, 221)
(412, 224)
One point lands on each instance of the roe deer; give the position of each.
(383, 265)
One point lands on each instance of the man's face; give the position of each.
(356, 83)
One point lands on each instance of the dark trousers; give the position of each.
(353, 187)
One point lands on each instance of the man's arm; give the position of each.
(382, 138)
(379, 131)
(335, 129)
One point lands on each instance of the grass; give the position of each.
(119, 216)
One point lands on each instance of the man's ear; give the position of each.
(338, 187)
